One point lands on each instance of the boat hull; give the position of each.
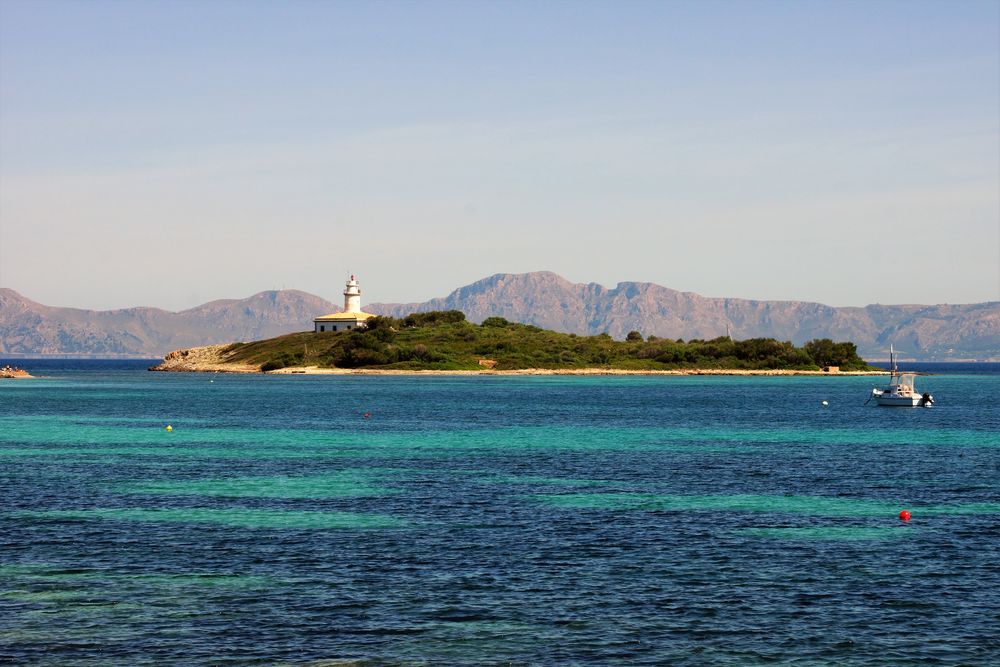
(898, 401)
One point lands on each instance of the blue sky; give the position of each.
(169, 153)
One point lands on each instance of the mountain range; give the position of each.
(28, 328)
(968, 331)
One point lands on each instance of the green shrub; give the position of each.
(284, 360)
(824, 352)
(357, 357)
(433, 317)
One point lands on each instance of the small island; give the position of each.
(13, 373)
(445, 342)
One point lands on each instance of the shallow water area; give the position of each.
(485, 520)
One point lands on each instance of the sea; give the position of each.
(493, 520)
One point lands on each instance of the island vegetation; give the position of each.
(446, 341)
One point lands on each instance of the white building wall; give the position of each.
(340, 325)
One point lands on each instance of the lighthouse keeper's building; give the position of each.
(351, 317)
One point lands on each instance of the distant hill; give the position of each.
(30, 328)
(542, 298)
(552, 302)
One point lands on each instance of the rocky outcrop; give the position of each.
(13, 373)
(207, 358)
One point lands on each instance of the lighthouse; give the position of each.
(351, 317)
(352, 296)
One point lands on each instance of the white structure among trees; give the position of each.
(351, 317)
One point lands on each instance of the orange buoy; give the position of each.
(904, 515)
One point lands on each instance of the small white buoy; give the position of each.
(825, 404)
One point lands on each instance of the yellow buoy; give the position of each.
(169, 427)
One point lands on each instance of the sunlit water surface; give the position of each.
(484, 520)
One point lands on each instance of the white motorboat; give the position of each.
(902, 389)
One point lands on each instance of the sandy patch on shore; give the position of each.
(314, 370)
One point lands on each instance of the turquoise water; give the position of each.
(487, 520)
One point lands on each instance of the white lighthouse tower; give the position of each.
(351, 317)
(352, 296)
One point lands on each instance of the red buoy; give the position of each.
(904, 515)
(367, 415)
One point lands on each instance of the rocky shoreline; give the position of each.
(209, 359)
(206, 359)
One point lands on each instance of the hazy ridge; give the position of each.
(30, 328)
(552, 302)
(970, 331)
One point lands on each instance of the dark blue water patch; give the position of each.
(46, 366)
(946, 367)
(476, 565)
